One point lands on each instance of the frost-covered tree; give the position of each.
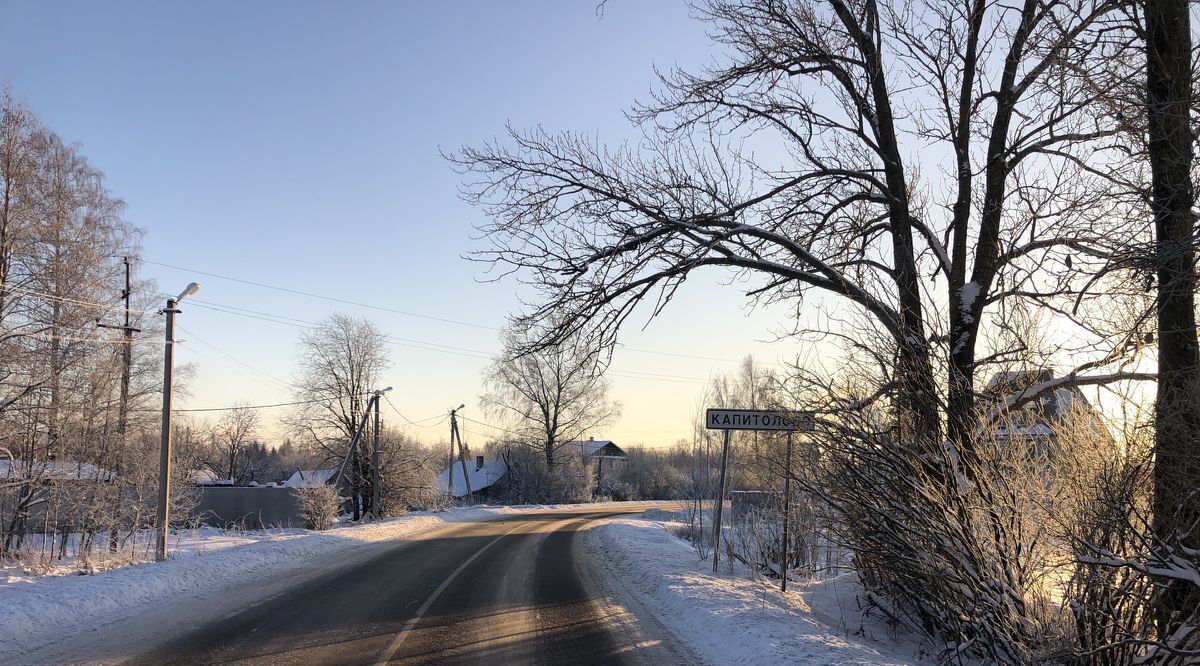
(548, 395)
(341, 360)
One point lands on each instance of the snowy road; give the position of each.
(515, 590)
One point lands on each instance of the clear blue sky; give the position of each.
(298, 144)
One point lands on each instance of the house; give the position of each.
(207, 477)
(482, 475)
(53, 470)
(1040, 423)
(312, 478)
(605, 455)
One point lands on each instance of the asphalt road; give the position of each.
(513, 591)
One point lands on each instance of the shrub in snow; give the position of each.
(319, 505)
(956, 546)
(1119, 567)
(528, 480)
(616, 490)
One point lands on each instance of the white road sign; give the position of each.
(758, 419)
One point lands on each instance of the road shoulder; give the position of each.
(728, 619)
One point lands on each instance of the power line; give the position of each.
(285, 384)
(488, 425)
(323, 297)
(233, 407)
(422, 344)
(301, 323)
(334, 299)
(418, 423)
(67, 299)
(67, 338)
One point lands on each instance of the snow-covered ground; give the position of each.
(733, 619)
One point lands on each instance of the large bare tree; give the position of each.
(549, 395)
(928, 162)
(923, 167)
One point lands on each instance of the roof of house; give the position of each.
(480, 477)
(1039, 417)
(57, 470)
(592, 447)
(311, 478)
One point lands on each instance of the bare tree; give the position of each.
(61, 235)
(549, 395)
(934, 165)
(850, 90)
(341, 361)
(232, 433)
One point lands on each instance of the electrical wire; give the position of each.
(424, 345)
(334, 299)
(488, 425)
(233, 407)
(67, 338)
(66, 299)
(441, 417)
(322, 297)
(302, 324)
(285, 384)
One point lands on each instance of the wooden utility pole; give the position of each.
(462, 459)
(126, 371)
(126, 353)
(720, 504)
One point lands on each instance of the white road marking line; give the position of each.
(390, 651)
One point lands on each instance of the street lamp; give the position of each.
(377, 394)
(164, 451)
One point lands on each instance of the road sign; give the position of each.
(758, 419)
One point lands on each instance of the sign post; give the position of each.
(787, 512)
(720, 504)
(755, 419)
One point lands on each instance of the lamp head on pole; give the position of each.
(381, 391)
(191, 289)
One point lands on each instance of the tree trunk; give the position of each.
(1177, 409)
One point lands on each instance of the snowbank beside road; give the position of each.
(736, 620)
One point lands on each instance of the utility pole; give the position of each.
(127, 356)
(720, 505)
(456, 436)
(164, 450)
(352, 449)
(375, 476)
(126, 370)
